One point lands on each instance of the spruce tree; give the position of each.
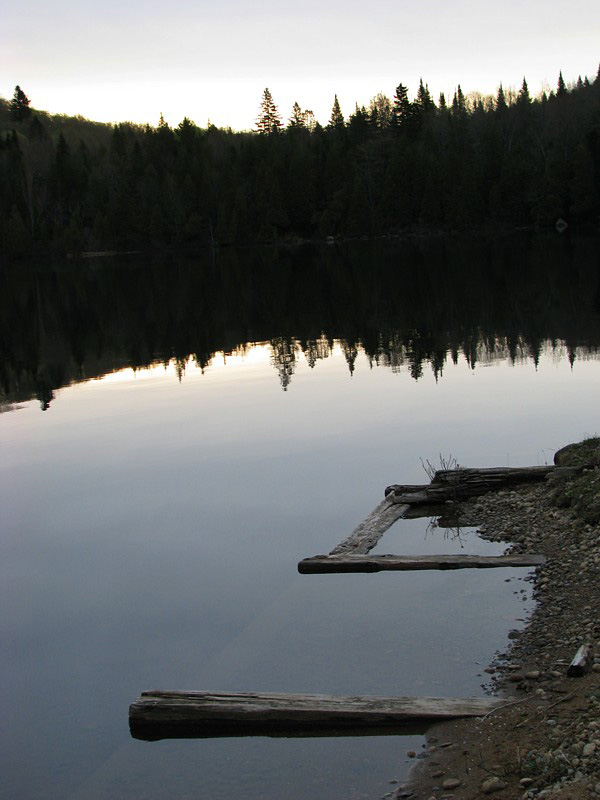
(268, 122)
(524, 98)
(424, 100)
(402, 110)
(501, 100)
(561, 89)
(337, 118)
(297, 120)
(19, 106)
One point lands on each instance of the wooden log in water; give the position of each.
(460, 484)
(366, 535)
(366, 563)
(168, 714)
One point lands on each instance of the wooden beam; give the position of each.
(366, 535)
(167, 714)
(459, 484)
(356, 563)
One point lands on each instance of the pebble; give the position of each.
(524, 782)
(411, 753)
(588, 749)
(451, 783)
(493, 784)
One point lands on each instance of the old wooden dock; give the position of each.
(401, 501)
(174, 714)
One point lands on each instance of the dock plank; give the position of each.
(366, 535)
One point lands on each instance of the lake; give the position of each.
(178, 432)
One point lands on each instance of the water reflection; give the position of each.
(406, 307)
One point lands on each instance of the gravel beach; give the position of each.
(545, 743)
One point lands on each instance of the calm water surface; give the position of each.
(152, 523)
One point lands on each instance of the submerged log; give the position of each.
(366, 563)
(366, 535)
(163, 714)
(459, 484)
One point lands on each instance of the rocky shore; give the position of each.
(545, 743)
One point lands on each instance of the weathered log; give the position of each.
(163, 714)
(365, 563)
(582, 662)
(366, 535)
(459, 484)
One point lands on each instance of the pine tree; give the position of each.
(297, 120)
(19, 106)
(561, 89)
(424, 101)
(501, 100)
(336, 120)
(459, 107)
(268, 121)
(402, 110)
(524, 98)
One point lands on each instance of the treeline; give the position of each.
(69, 185)
(410, 307)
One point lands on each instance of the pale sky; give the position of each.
(116, 61)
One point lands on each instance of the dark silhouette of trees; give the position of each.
(19, 106)
(336, 120)
(400, 165)
(268, 121)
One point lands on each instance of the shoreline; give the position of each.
(545, 743)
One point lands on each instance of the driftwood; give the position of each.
(366, 563)
(162, 714)
(582, 661)
(459, 484)
(366, 535)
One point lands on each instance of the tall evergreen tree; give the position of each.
(297, 120)
(524, 98)
(561, 89)
(401, 110)
(501, 100)
(336, 121)
(19, 106)
(268, 122)
(424, 100)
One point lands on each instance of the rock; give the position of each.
(533, 675)
(524, 782)
(451, 783)
(588, 749)
(437, 774)
(493, 784)
(411, 753)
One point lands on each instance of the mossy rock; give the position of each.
(583, 495)
(581, 491)
(580, 454)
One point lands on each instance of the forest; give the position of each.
(397, 167)
(410, 306)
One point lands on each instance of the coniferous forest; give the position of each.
(69, 185)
